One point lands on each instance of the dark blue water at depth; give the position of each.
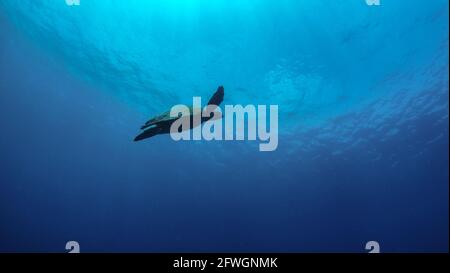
(363, 115)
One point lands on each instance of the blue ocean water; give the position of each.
(363, 115)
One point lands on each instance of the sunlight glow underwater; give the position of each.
(363, 114)
(152, 54)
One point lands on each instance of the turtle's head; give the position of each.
(217, 98)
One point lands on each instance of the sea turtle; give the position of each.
(161, 124)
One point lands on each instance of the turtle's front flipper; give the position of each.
(148, 133)
(145, 126)
(217, 98)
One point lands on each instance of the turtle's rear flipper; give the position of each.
(156, 120)
(148, 133)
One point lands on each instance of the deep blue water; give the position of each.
(363, 138)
